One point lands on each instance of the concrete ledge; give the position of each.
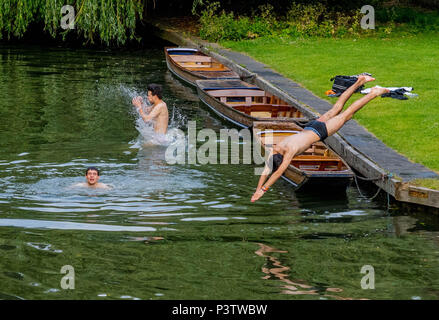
(419, 195)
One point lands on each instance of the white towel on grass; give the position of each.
(406, 89)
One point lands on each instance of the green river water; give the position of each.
(171, 231)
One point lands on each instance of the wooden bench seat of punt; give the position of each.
(197, 62)
(249, 95)
(225, 84)
(204, 68)
(191, 58)
(318, 163)
(182, 50)
(214, 74)
(268, 110)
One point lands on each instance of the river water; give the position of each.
(183, 231)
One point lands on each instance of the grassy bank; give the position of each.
(412, 126)
(427, 183)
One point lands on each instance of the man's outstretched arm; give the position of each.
(266, 172)
(263, 177)
(276, 175)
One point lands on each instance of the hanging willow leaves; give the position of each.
(111, 22)
(16, 15)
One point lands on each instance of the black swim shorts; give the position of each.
(317, 127)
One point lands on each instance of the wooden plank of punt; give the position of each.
(267, 110)
(191, 58)
(318, 164)
(246, 94)
(201, 67)
(205, 68)
(183, 50)
(225, 84)
(214, 74)
(250, 95)
(307, 158)
(236, 93)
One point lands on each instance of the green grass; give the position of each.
(427, 183)
(410, 127)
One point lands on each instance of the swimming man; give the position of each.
(92, 177)
(314, 131)
(158, 112)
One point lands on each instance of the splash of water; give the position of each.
(148, 137)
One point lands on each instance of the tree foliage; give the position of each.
(112, 22)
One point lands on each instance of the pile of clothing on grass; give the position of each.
(342, 83)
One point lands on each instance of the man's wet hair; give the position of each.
(276, 160)
(92, 168)
(156, 90)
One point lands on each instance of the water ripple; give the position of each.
(63, 225)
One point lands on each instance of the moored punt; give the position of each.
(191, 64)
(243, 103)
(318, 167)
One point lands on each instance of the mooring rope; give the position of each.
(362, 195)
(381, 177)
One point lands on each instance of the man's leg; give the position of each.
(334, 124)
(338, 106)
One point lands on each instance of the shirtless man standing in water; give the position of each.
(314, 131)
(158, 112)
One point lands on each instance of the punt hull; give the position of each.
(232, 115)
(189, 76)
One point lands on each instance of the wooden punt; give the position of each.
(242, 103)
(191, 64)
(318, 167)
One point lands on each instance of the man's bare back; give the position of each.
(162, 119)
(296, 143)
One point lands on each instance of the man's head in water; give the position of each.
(154, 93)
(92, 176)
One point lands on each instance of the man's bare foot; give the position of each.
(365, 78)
(379, 91)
